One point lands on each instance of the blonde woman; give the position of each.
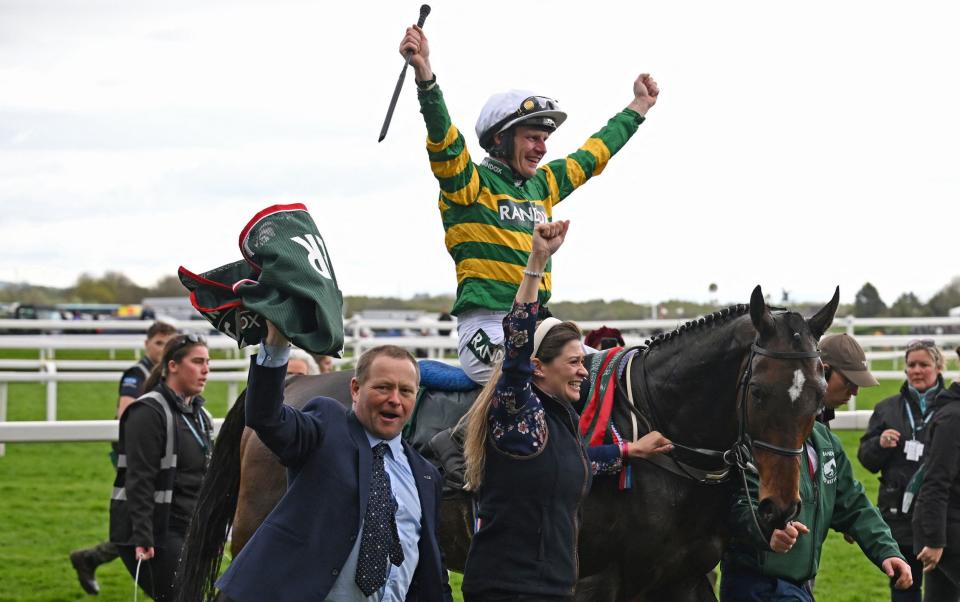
(525, 459)
(894, 443)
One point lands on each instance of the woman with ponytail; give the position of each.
(525, 460)
(164, 444)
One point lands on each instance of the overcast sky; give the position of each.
(795, 145)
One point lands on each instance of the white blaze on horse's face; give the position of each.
(797, 387)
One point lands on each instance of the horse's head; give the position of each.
(783, 395)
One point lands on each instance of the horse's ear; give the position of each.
(822, 320)
(759, 314)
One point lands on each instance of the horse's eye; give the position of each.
(756, 393)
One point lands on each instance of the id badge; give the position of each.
(913, 449)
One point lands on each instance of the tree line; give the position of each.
(869, 304)
(115, 287)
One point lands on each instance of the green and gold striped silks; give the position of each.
(488, 213)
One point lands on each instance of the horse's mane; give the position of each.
(720, 316)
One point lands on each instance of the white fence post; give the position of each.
(3, 414)
(231, 394)
(51, 368)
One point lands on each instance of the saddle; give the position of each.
(445, 395)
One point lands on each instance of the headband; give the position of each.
(542, 330)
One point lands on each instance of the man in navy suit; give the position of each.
(309, 547)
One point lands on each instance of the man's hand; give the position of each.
(548, 237)
(143, 553)
(782, 540)
(897, 567)
(930, 557)
(645, 92)
(274, 337)
(415, 42)
(889, 438)
(650, 444)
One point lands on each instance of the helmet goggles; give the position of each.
(516, 107)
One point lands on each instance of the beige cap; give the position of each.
(843, 353)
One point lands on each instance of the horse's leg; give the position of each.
(455, 530)
(263, 480)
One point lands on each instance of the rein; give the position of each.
(668, 461)
(739, 454)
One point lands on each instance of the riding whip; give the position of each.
(424, 11)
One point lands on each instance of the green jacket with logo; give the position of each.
(833, 499)
(489, 213)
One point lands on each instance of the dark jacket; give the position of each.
(529, 510)
(157, 484)
(298, 551)
(936, 520)
(892, 464)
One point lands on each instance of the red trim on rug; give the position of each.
(203, 280)
(196, 304)
(259, 216)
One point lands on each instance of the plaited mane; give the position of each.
(723, 315)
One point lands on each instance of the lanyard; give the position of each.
(913, 426)
(200, 441)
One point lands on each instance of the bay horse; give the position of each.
(735, 390)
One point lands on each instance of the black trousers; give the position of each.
(943, 582)
(157, 575)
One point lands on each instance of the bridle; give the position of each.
(735, 456)
(739, 454)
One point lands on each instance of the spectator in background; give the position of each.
(444, 317)
(85, 562)
(604, 338)
(302, 363)
(894, 444)
(325, 363)
(936, 522)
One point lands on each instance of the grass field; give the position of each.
(54, 497)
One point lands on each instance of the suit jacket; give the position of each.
(298, 551)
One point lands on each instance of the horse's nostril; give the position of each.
(796, 511)
(766, 510)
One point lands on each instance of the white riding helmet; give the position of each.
(507, 109)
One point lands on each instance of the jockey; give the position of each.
(489, 210)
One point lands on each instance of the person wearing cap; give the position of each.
(936, 521)
(489, 209)
(845, 370)
(894, 445)
(525, 458)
